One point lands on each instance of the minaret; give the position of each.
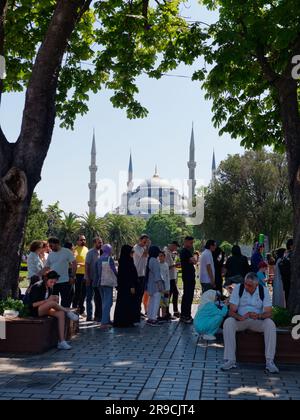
(93, 184)
(192, 166)
(129, 184)
(130, 175)
(214, 167)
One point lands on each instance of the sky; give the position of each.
(162, 139)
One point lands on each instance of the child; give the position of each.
(262, 273)
(210, 315)
(165, 296)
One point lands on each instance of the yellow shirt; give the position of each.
(80, 255)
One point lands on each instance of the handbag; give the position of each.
(108, 277)
(161, 286)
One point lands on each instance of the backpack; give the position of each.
(108, 277)
(261, 291)
(285, 268)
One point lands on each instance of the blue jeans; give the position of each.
(107, 302)
(93, 293)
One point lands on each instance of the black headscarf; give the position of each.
(236, 251)
(127, 273)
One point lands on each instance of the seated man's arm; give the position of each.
(233, 313)
(267, 314)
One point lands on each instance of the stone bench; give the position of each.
(34, 335)
(251, 347)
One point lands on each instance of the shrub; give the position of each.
(282, 317)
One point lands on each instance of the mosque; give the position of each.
(154, 195)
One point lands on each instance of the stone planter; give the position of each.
(34, 335)
(251, 347)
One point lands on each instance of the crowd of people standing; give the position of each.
(145, 276)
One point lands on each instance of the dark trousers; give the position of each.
(66, 293)
(139, 293)
(93, 293)
(206, 287)
(219, 285)
(80, 293)
(188, 297)
(174, 294)
(286, 288)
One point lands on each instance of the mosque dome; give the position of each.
(156, 182)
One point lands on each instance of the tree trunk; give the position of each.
(21, 163)
(291, 125)
(13, 216)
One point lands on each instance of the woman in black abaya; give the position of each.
(126, 299)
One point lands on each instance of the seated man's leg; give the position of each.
(231, 327)
(269, 329)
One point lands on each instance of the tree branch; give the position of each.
(3, 10)
(39, 112)
(295, 47)
(269, 73)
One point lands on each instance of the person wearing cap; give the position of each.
(170, 252)
(42, 303)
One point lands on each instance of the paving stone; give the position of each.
(140, 364)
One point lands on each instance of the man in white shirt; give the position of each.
(250, 309)
(207, 267)
(170, 252)
(59, 260)
(140, 257)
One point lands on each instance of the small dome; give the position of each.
(156, 182)
(146, 201)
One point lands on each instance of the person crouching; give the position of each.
(209, 316)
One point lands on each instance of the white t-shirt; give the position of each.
(60, 262)
(250, 303)
(140, 261)
(205, 260)
(170, 261)
(165, 275)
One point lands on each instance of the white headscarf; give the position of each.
(208, 297)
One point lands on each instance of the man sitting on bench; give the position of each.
(250, 309)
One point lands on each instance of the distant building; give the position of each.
(154, 195)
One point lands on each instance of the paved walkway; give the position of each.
(144, 363)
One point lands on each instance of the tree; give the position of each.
(165, 228)
(49, 46)
(120, 231)
(255, 96)
(54, 219)
(70, 228)
(250, 196)
(36, 226)
(93, 226)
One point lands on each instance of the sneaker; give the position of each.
(153, 323)
(72, 316)
(105, 327)
(209, 337)
(163, 319)
(187, 320)
(176, 314)
(63, 345)
(230, 364)
(271, 367)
